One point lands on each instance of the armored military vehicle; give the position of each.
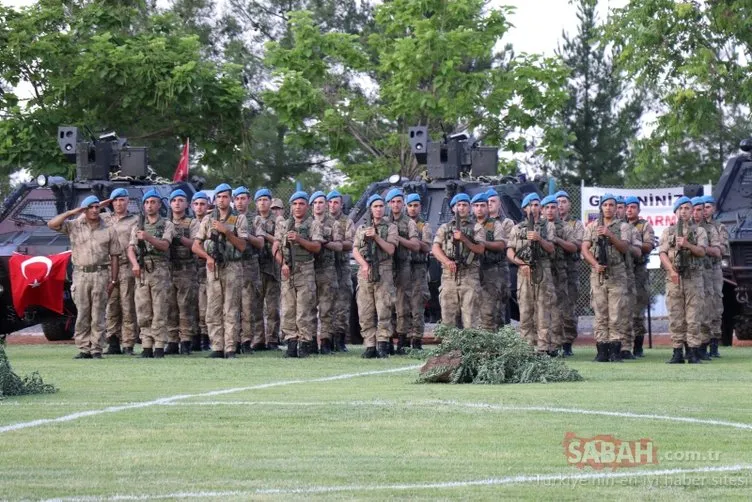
(102, 164)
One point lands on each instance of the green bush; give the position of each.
(13, 385)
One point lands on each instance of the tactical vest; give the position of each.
(178, 252)
(418, 257)
(367, 245)
(340, 257)
(542, 229)
(249, 252)
(615, 257)
(299, 253)
(225, 248)
(401, 253)
(268, 224)
(571, 221)
(560, 256)
(639, 225)
(707, 261)
(157, 230)
(325, 257)
(491, 258)
(467, 227)
(691, 234)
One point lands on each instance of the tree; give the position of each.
(433, 63)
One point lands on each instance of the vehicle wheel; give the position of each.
(58, 330)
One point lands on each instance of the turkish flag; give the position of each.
(181, 172)
(38, 280)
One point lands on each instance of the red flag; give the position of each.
(38, 280)
(181, 172)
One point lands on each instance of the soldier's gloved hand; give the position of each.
(285, 271)
(210, 263)
(136, 271)
(452, 266)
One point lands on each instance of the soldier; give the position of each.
(95, 249)
(419, 273)
(373, 247)
(634, 253)
(251, 317)
(341, 321)
(715, 325)
(221, 239)
(278, 209)
(531, 250)
(182, 296)
(491, 279)
(646, 235)
(200, 205)
(679, 253)
(569, 319)
(268, 299)
(608, 279)
(326, 272)
(495, 212)
(148, 251)
(121, 306)
(407, 238)
(713, 251)
(296, 242)
(457, 248)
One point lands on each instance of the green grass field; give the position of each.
(283, 431)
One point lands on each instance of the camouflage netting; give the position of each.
(13, 385)
(482, 357)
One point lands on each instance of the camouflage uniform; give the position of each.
(535, 295)
(715, 325)
(642, 293)
(121, 306)
(341, 320)
(572, 291)
(201, 293)
(376, 299)
(709, 299)
(631, 300)
(684, 300)
(152, 288)
(419, 294)
(559, 270)
(224, 284)
(402, 272)
(251, 316)
(506, 283)
(299, 290)
(182, 295)
(458, 295)
(268, 297)
(491, 278)
(91, 249)
(326, 277)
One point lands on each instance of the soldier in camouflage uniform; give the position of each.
(569, 319)
(495, 212)
(419, 273)
(491, 279)
(408, 242)
(200, 205)
(222, 237)
(95, 251)
(150, 243)
(326, 273)
(715, 325)
(251, 316)
(297, 240)
(181, 324)
(341, 322)
(458, 249)
(268, 299)
(679, 253)
(713, 251)
(121, 306)
(630, 258)
(373, 247)
(608, 280)
(277, 208)
(531, 250)
(646, 235)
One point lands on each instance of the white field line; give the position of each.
(547, 479)
(180, 397)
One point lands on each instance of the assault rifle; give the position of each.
(457, 246)
(141, 247)
(374, 275)
(216, 254)
(601, 250)
(682, 256)
(290, 250)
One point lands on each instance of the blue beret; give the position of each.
(529, 198)
(698, 201)
(88, 201)
(394, 192)
(199, 195)
(561, 193)
(222, 187)
(300, 194)
(262, 192)
(178, 193)
(680, 201)
(241, 190)
(373, 198)
(119, 192)
(479, 197)
(491, 192)
(413, 197)
(619, 199)
(632, 200)
(607, 196)
(315, 195)
(548, 199)
(333, 194)
(709, 199)
(151, 194)
(460, 197)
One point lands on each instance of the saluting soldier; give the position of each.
(341, 321)
(495, 212)
(420, 293)
(95, 251)
(717, 315)
(713, 250)
(491, 279)
(569, 317)
(200, 205)
(646, 234)
(266, 336)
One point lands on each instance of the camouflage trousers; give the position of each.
(326, 293)
(223, 291)
(506, 286)
(402, 276)
(251, 317)
(570, 295)
(560, 283)
(89, 291)
(535, 301)
(121, 308)
(341, 320)
(375, 302)
(418, 298)
(630, 302)
(298, 313)
(181, 323)
(708, 305)
(201, 303)
(459, 297)
(267, 302)
(684, 301)
(491, 285)
(715, 325)
(609, 301)
(642, 299)
(152, 305)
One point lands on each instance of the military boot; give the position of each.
(614, 349)
(553, 353)
(216, 354)
(245, 347)
(83, 355)
(677, 358)
(602, 354)
(389, 346)
(114, 346)
(196, 343)
(638, 341)
(314, 345)
(702, 352)
(714, 348)
(417, 344)
(305, 349)
(147, 353)
(159, 353)
(128, 351)
(382, 349)
(370, 353)
(326, 347)
(687, 351)
(292, 348)
(694, 355)
(625, 354)
(185, 348)
(401, 344)
(230, 354)
(171, 349)
(341, 342)
(205, 342)
(567, 350)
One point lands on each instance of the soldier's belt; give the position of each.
(90, 268)
(178, 266)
